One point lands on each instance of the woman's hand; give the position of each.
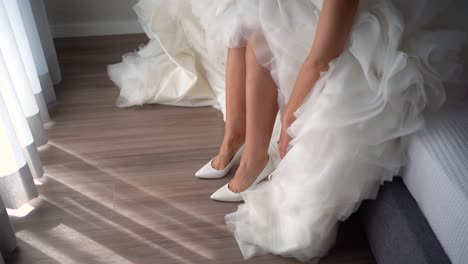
(335, 23)
(286, 122)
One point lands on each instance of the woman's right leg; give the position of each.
(262, 109)
(235, 127)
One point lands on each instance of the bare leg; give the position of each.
(262, 108)
(234, 134)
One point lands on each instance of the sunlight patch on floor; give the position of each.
(35, 242)
(37, 182)
(74, 242)
(20, 212)
(109, 172)
(188, 245)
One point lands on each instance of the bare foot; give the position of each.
(227, 151)
(246, 175)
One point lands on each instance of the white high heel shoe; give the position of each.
(224, 194)
(208, 172)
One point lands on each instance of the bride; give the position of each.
(337, 85)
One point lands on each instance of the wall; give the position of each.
(71, 18)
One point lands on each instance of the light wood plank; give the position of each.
(119, 185)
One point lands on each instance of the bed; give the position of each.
(422, 217)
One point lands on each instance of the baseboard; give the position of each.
(100, 28)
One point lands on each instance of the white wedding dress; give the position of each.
(349, 135)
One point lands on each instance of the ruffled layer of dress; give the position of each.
(174, 68)
(349, 136)
(350, 133)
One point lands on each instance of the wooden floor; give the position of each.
(119, 185)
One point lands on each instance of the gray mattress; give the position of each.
(437, 178)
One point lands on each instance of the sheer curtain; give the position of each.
(28, 66)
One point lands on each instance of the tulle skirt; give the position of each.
(350, 132)
(349, 136)
(175, 67)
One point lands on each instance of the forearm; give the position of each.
(307, 78)
(331, 36)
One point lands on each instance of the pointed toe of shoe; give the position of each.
(202, 172)
(215, 196)
(208, 172)
(226, 195)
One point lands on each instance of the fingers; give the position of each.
(283, 144)
(283, 154)
(282, 149)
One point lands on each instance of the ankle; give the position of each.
(253, 161)
(233, 141)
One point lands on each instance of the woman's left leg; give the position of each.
(234, 132)
(262, 108)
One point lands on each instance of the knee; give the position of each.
(257, 48)
(250, 51)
